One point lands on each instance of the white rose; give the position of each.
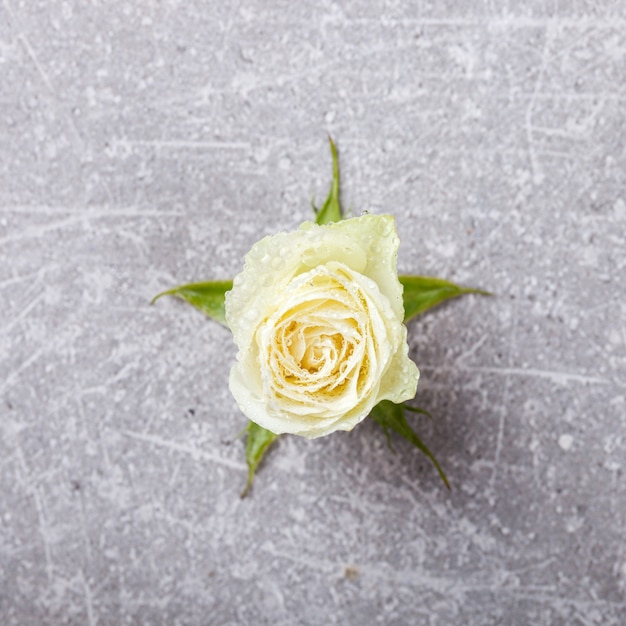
(317, 316)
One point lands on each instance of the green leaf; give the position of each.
(331, 210)
(424, 292)
(207, 297)
(258, 443)
(390, 416)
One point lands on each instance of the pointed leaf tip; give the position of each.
(208, 297)
(257, 445)
(391, 416)
(421, 293)
(331, 210)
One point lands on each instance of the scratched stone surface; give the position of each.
(145, 144)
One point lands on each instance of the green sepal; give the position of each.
(258, 443)
(414, 409)
(424, 292)
(390, 416)
(331, 210)
(207, 297)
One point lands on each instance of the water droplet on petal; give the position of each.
(309, 258)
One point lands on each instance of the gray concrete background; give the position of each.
(146, 144)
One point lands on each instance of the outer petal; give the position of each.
(400, 380)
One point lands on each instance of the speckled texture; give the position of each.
(145, 144)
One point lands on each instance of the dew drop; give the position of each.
(251, 314)
(309, 258)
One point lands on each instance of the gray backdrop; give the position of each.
(147, 144)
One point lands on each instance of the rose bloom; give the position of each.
(317, 316)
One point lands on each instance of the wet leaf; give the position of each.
(331, 210)
(258, 443)
(424, 292)
(207, 297)
(390, 416)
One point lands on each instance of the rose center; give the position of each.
(318, 343)
(321, 352)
